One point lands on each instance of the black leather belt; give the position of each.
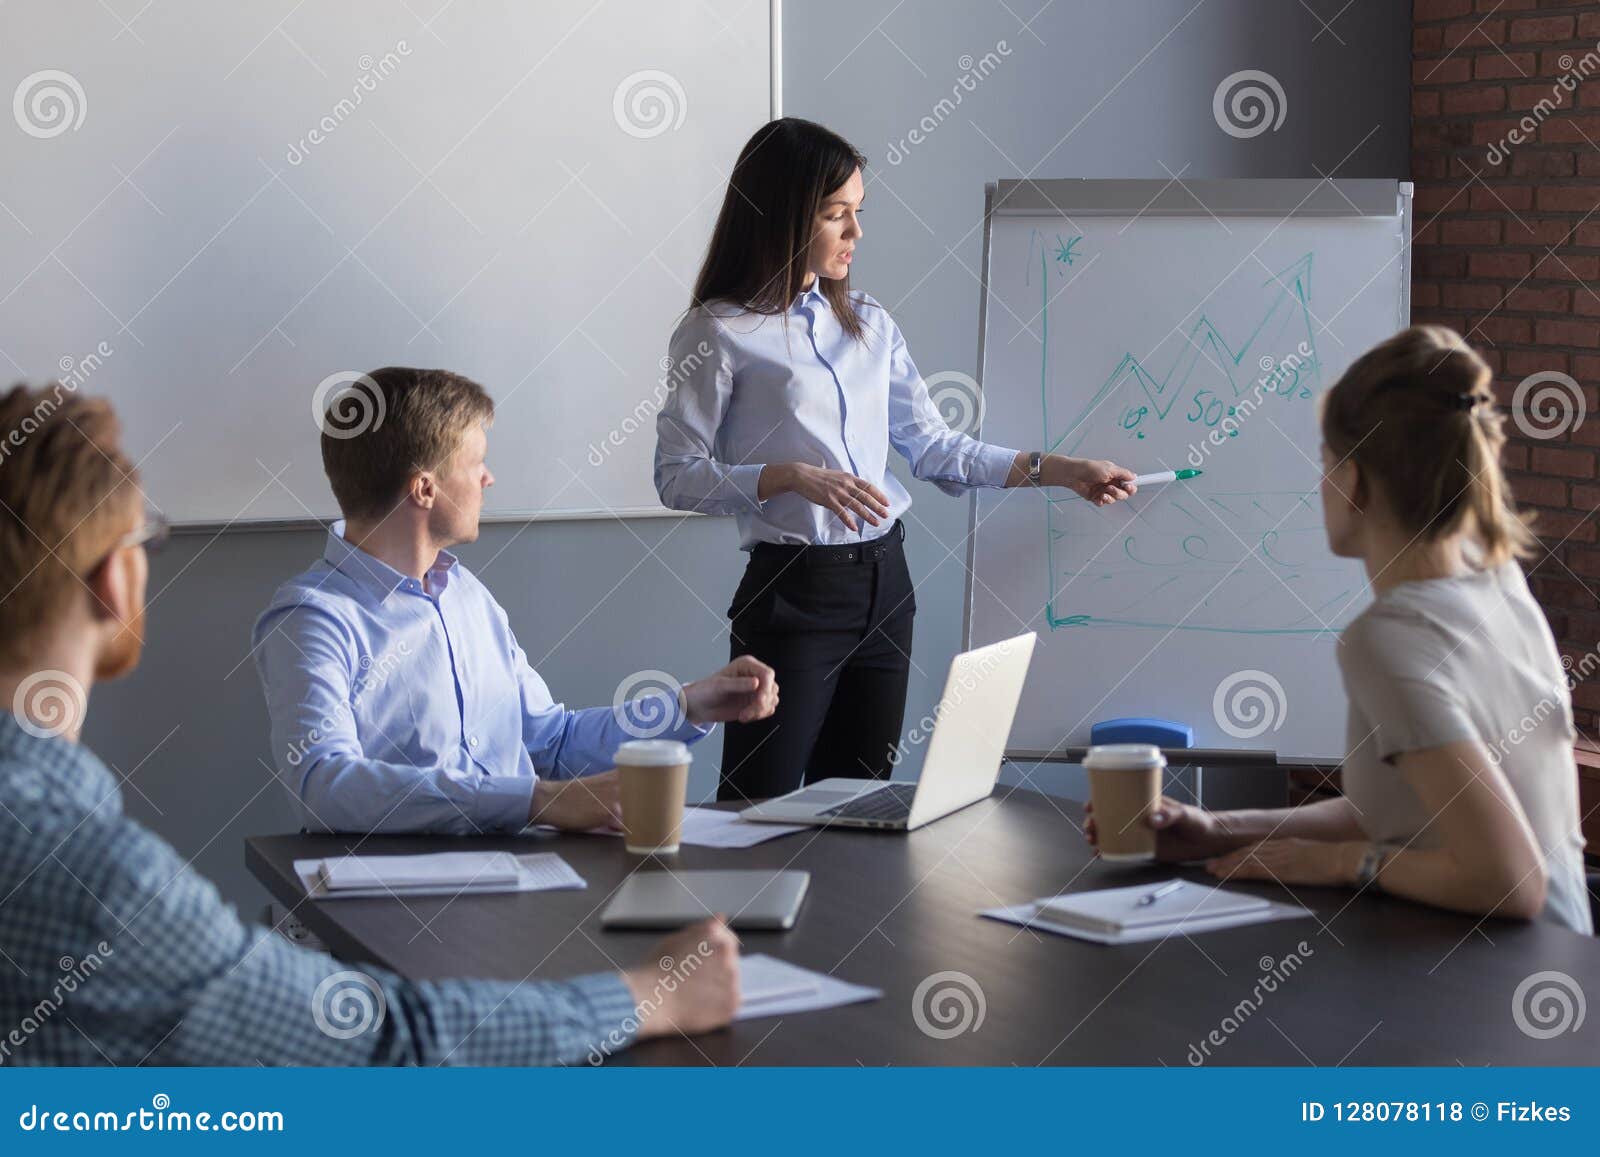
(843, 555)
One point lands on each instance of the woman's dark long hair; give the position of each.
(758, 251)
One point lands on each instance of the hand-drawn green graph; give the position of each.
(1211, 554)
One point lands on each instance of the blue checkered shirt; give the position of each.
(114, 951)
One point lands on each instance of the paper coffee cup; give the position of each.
(1125, 783)
(655, 780)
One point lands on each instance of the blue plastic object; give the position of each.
(1161, 732)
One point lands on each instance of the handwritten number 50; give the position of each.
(1208, 412)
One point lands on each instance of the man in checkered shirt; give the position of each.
(112, 950)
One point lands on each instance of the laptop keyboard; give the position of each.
(887, 803)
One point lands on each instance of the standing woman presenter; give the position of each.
(787, 390)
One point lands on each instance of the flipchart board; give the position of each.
(1168, 326)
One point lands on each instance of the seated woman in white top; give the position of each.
(1459, 786)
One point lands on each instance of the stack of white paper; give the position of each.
(443, 869)
(438, 874)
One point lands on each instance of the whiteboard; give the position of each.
(1186, 329)
(210, 209)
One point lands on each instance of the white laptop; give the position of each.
(969, 737)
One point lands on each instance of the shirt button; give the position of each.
(473, 741)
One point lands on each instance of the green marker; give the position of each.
(1166, 476)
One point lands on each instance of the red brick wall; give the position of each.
(1508, 252)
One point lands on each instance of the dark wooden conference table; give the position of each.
(1369, 980)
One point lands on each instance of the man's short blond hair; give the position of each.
(385, 427)
(67, 494)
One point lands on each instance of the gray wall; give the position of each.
(1083, 90)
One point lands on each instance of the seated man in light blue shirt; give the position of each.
(400, 700)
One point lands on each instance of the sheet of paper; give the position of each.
(709, 828)
(1027, 916)
(536, 872)
(773, 987)
(705, 827)
(766, 979)
(548, 872)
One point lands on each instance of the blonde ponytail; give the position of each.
(1417, 416)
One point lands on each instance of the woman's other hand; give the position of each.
(849, 497)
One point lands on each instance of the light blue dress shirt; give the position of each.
(406, 706)
(746, 389)
(118, 953)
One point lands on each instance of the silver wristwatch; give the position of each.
(1035, 467)
(1371, 864)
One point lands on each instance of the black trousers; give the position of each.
(834, 622)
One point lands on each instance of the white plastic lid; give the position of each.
(654, 753)
(1124, 757)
